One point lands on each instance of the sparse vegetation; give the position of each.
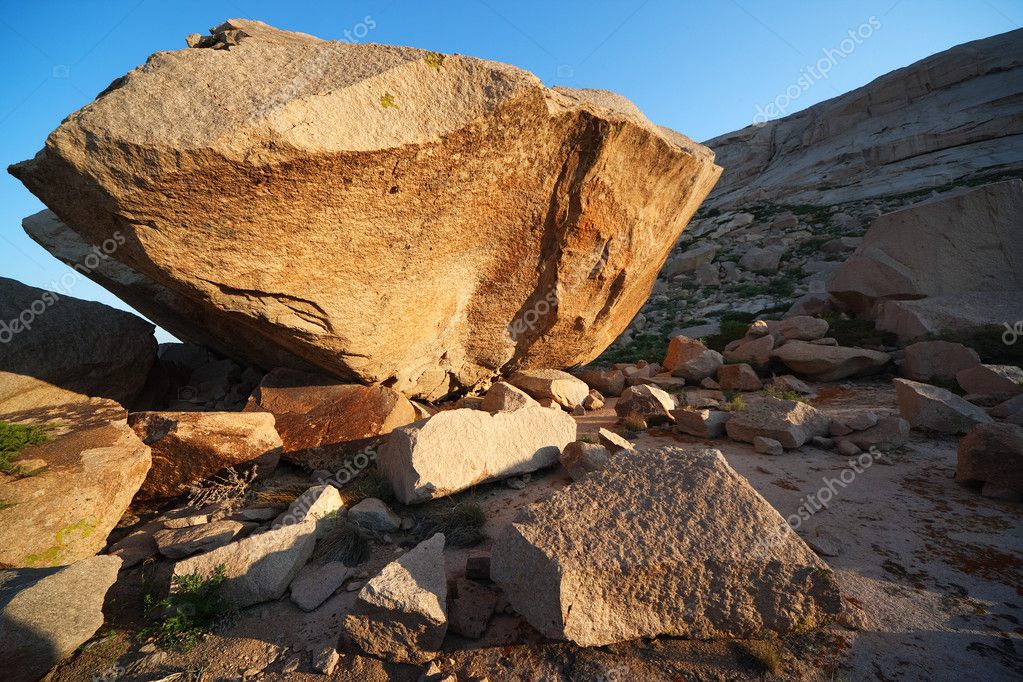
(586, 438)
(231, 489)
(387, 101)
(278, 498)
(736, 404)
(194, 608)
(434, 60)
(857, 333)
(643, 347)
(371, 483)
(731, 330)
(462, 524)
(766, 653)
(13, 439)
(785, 394)
(343, 542)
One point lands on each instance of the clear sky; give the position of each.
(703, 68)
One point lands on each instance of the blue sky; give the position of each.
(703, 68)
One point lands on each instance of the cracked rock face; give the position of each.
(704, 555)
(381, 213)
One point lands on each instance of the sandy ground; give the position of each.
(934, 571)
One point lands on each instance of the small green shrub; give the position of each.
(13, 439)
(857, 333)
(193, 609)
(372, 483)
(736, 404)
(731, 330)
(785, 394)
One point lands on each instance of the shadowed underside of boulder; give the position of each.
(382, 213)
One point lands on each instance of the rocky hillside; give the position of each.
(798, 194)
(948, 118)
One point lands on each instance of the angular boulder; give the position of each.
(738, 377)
(935, 315)
(47, 613)
(190, 446)
(888, 433)
(789, 422)
(607, 381)
(454, 163)
(321, 420)
(969, 241)
(75, 486)
(503, 397)
(456, 449)
(829, 363)
(690, 359)
(992, 454)
(80, 346)
(803, 328)
(660, 541)
(931, 408)
(1000, 382)
(580, 458)
(561, 387)
(701, 423)
(258, 568)
(401, 613)
(927, 360)
(752, 349)
(649, 402)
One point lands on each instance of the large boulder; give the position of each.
(321, 420)
(690, 359)
(932, 408)
(661, 541)
(419, 220)
(401, 613)
(456, 449)
(81, 346)
(67, 493)
(936, 315)
(992, 454)
(829, 363)
(971, 240)
(190, 446)
(997, 381)
(789, 422)
(47, 613)
(650, 403)
(929, 360)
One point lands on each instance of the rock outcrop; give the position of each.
(80, 346)
(968, 241)
(951, 116)
(789, 422)
(704, 557)
(456, 449)
(932, 408)
(421, 221)
(992, 454)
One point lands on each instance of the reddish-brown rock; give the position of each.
(321, 420)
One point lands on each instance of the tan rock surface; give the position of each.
(83, 479)
(660, 541)
(829, 363)
(190, 446)
(415, 217)
(456, 449)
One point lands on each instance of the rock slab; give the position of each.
(456, 449)
(660, 541)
